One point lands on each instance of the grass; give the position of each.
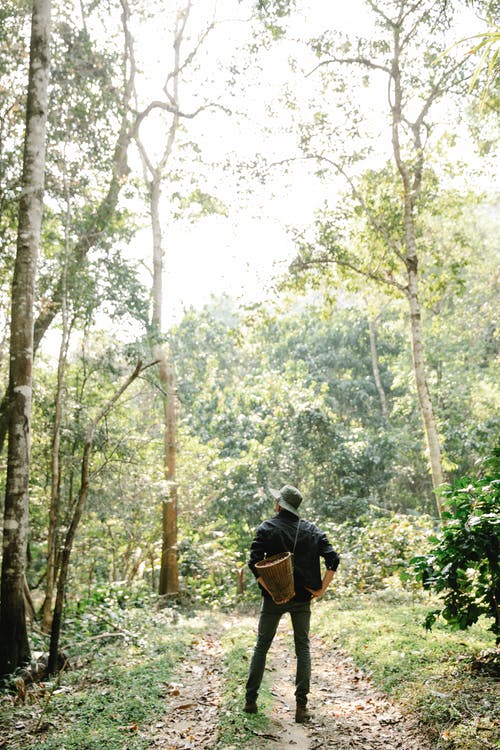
(111, 701)
(428, 673)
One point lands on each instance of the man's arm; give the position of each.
(327, 579)
(257, 553)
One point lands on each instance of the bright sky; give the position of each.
(241, 253)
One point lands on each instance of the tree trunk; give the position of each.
(14, 645)
(154, 197)
(153, 175)
(169, 574)
(56, 438)
(424, 398)
(411, 178)
(375, 368)
(54, 500)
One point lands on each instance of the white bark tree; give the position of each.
(388, 248)
(154, 171)
(14, 645)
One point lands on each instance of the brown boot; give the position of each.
(250, 707)
(301, 713)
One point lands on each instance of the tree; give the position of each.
(77, 515)
(155, 175)
(82, 71)
(14, 646)
(80, 151)
(380, 235)
(50, 575)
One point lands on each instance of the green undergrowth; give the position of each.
(237, 729)
(113, 695)
(438, 675)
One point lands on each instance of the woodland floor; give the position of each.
(180, 686)
(348, 712)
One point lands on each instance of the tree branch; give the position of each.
(357, 195)
(324, 261)
(366, 62)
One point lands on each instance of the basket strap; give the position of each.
(285, 547)
(296, 536)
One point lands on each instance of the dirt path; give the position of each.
(348, 712)
(193, 699)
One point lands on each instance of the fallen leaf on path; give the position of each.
(129, 728)
(390, 718)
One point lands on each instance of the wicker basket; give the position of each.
(277, 573)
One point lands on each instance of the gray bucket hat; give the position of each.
(288, 497)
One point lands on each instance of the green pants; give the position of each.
(270, 615)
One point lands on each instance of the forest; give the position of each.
(247, 244)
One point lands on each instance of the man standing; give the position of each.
(285, 531)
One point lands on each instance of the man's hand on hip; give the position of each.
(316, 594)
(327, 578)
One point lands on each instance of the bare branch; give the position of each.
(388, 280)
(364, 61)
(187, 61)
(418, 20)
(169, 108)
(128, 57)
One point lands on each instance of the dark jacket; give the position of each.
(277, 534)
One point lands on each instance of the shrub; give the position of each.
(377, 550)
(463, 566)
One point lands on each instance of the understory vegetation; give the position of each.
(445, 679)
(115, 690)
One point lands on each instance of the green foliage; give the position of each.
(376, 550)
(287, 395)
(197, 204)
(272, 15)
(463, 566)
(118, 537)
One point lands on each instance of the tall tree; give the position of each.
(404, 51)
(97, 213)
(155, 175)
(77, 515)
(14, 645)
(50, 576)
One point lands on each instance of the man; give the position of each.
(279, 534)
